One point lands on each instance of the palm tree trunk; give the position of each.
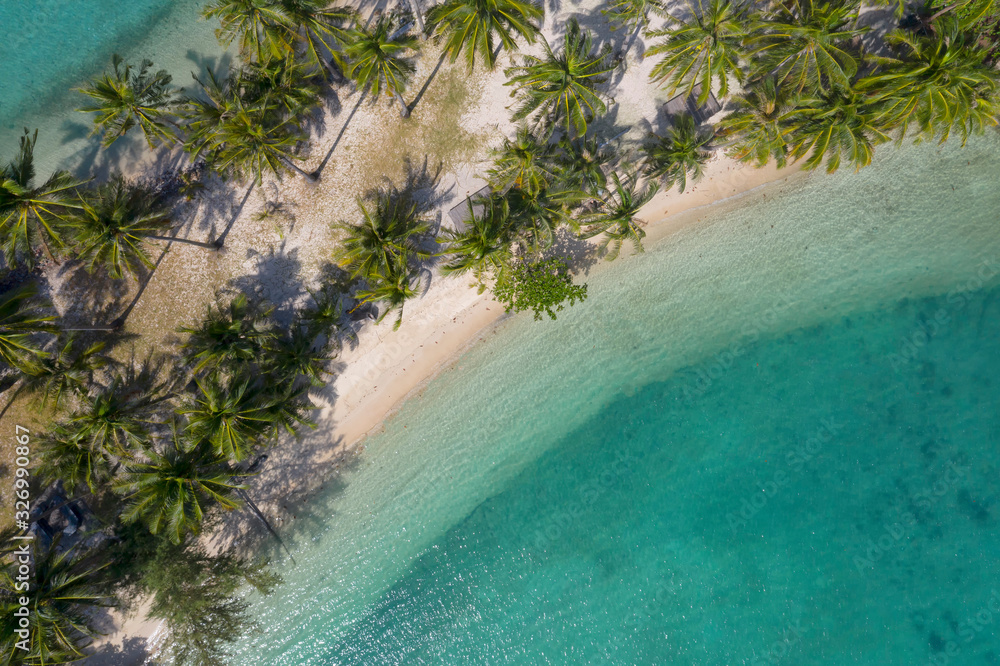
(947, 9)
(172, 239)
(311, 177)
(45, 247)
(418, 17)
(404, 110)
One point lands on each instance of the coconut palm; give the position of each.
(62, 590)
(279, 84)
(633, 14)
(22, 317)
(115, 421)
(705, 48)
(679, 153)
(298, 354)
(836, 125)
(563, 87)
(245, 140)
(484, 245)
(523, 162)
(538, 214)
(758, 124)
(234, 416)
(617, 215)
(126, 98)
(114, 222)
(580, 163)
(170, 489)
(231, 337)
(313, 27)
(205, 114)
(393, 285)
(805, 44)
(377, 59)
(389, 232)
(64, 455)
(68, 371)
(473, 26)
(258, 26)
(31, 215)
(941, 83)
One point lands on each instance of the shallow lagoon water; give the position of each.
(769, 439)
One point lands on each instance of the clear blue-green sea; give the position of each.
(772, 438)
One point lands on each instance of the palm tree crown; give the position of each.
(171, 489)
(705, 48)
(616, 217)
(125, 97)
(21, 317)
(32, 215)
(61, 588)
(113, 223)
(472, 25)
(804, 44)
(759, 123)
(679, 153)
(563, 86)
(941, 83)
(377, 58)
(388, 233)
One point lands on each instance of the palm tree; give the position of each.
(315, 26)
(837, 124)
(279, 84)
(633, 13)
(579, 163)
(170, 491)
(473, 25)
(484, 246)
(376, 60)
(64, 455)
(393, 285)
(248, 140)
(941, 82)
(537, 215)
(231, 337)
(30, 215)
(114, 222)
(616, 216)
(707, 47)
(258, 26)
(804, 44)
(523, 162)
(61, 589)
(297, 355)
(206, 113)
(234, 416)
(114, 421)
(758, 124)
(564, 86)
(69, 371)
(388, 233)
(126, 98)
(679, 153)
(21, 318)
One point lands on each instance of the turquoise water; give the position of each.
(50, 47)
(770, 439)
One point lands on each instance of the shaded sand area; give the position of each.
(279, 239)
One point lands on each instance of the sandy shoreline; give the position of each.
(386, 367)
